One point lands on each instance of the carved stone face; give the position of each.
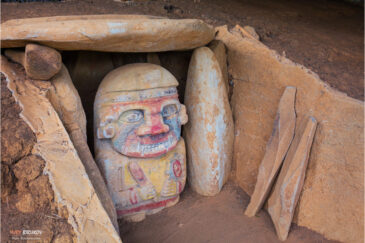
(144, 123)
(138, 118)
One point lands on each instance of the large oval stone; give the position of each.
(209, 132)
(110, 33)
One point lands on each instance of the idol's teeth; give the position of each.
(148, 148)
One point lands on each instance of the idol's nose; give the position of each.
(153, 125)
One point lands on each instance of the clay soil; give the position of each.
(325, 36)
(211, 219)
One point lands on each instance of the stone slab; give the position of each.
(109, 33)
(219, 51)
(332, 198)
(209, 132)
(276, 149)
(286, 192)
(66, 101)
(70, 183)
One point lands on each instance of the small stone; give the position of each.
(219, 50)
(276, 150)
(111, 33)
(209, 132)
(28, 168)
(41, 62)
(286, 192)
(25, 203)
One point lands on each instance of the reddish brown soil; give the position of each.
(325, 36)
(211, 219)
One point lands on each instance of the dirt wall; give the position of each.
(332, 199)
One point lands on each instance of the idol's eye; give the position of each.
(131, 116)
(169, 110)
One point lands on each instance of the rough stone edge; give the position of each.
(73, 214)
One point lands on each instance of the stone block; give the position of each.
(40, 62)
(110, 33)
(209, 132)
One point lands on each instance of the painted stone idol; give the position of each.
(137, 121)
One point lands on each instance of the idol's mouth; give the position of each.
(153, 148)
(157, 147)
(155, 139)
(158, 136)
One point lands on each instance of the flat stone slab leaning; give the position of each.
(286, 192)
(276, 149)
(109, 33)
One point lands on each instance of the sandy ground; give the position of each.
(325, 36)
(211, 219)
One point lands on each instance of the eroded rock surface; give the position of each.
(17, 138)
(209, 132)
(332, 198)
(111, 33)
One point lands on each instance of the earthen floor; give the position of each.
(211, 219)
